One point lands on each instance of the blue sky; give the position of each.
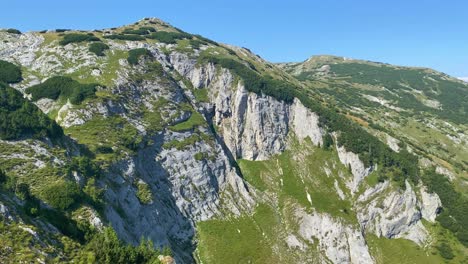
(413, 32)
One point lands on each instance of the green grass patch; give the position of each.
(196, 119)
(144, 194)
(238, 240)
(201, 95)
(182, 143)
(399, 250)
(111, 131)
(252, 172)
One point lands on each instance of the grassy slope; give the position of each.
(281, 181)
(284, 182)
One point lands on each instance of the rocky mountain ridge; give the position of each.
(185, 146)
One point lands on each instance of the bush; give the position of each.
(106, 247)
(61, 195)
(206, 40)
(455, 205)
(85, 166)
(20, 118)
(135, 54)
(254, 82)
(13, 31)
(445, 251)
(98, 48)
(60, 30)
(3, 177)
(22, 191)
(125, 37)
(77, 37)
(9, 72)
(65, 224)
(150, 29)
(104, 149)
(64, 87)
(169, 37)
(327, 141)
(140, 31)
(144, 194)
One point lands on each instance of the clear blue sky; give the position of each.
(406, 32)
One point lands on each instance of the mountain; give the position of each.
(147, 144)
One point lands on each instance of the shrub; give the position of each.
(20, 118)
(254, 82)
(455, 205)
(206, 40)
(13, 31)
(445, 251)
(169, 37)
(125, 37)
(65, 87)
(94, 193)
(140, 31)
(61, 195)
(135, 54)
(84, 166)
(62, 222)
(106, 247)
(77, 37)
(98, 48)
(130, 137)
(150, 29)
(3, 177)
(22, 191)
(327, 141)
(60, 30)
(143, 193)
(104, 149)
(9, 72)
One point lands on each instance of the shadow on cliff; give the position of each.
(160, 221)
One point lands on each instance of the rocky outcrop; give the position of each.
(253, 126)
(358, 169)
(305, 123)
(341, 243)
(391, 213)
(430, 205)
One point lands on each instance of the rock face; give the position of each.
(341, 243)
(392, 213)
(430, 203)
(357, 167)
(254, 127)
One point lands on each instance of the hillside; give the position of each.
(148, 144)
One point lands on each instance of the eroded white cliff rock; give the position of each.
(358, 169)
(430, 205)
(340, 242)
(392, 213)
